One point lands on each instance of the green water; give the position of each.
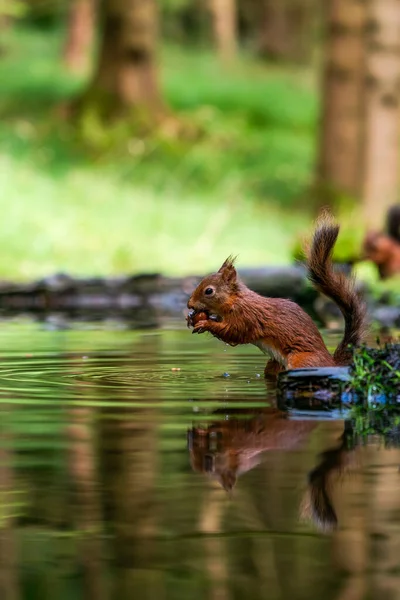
(113, 465)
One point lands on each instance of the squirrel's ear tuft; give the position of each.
(228, 263)
(228, 270)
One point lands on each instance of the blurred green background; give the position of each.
(131, 147)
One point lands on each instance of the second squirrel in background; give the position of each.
(223, 305)
(383, 248)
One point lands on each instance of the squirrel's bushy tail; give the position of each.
(336, 286)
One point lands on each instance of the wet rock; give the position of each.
(311, 390)
(59, 282)
(163, 294)
(169, 295)
(387, 316)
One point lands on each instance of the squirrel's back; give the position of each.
(336, 285)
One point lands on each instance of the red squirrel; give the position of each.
(384, 252)
(222, 305)
(383, 248)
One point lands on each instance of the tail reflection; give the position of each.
(317, 504)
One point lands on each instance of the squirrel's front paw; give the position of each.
(200, 327)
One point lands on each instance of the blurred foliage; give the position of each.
(176, 6)
(347, 248)
(45, 13)
(383, 291)
(12, 8)
(185, 21)
(112, 201)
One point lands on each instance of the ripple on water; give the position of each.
(164, 377)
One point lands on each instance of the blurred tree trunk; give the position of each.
(382, 111)
(80, 33)
(340, 159)
(285, 29)
(126, 75)
(224, 25)
(301, 20)
(274, 40)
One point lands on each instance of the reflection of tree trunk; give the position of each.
(224, 24)
(79, 35)
(382, 95)
(8, 551)
(215, 551)
(131, 443)
(350, 542)
(128, 443)
(126, 74)
(86, 509)
(383, 508)
(340, 147)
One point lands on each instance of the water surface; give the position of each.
(150, 464)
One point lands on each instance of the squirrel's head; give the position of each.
(377, 247)
(216, 293)
(220, 463)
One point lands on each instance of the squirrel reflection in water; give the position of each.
(228, 448)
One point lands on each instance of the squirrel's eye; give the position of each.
(209, 291)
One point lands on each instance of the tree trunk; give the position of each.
(382, 113)
(126, 76)
(285, 29)
(340, 149)
(80, 33)
(224, 25)
(301, 20)
(274, 42)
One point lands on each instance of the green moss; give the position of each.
(375, 380)
(375, 374)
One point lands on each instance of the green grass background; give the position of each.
(161, 204)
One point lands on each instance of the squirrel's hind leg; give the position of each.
(272, 368)
(304, 360)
